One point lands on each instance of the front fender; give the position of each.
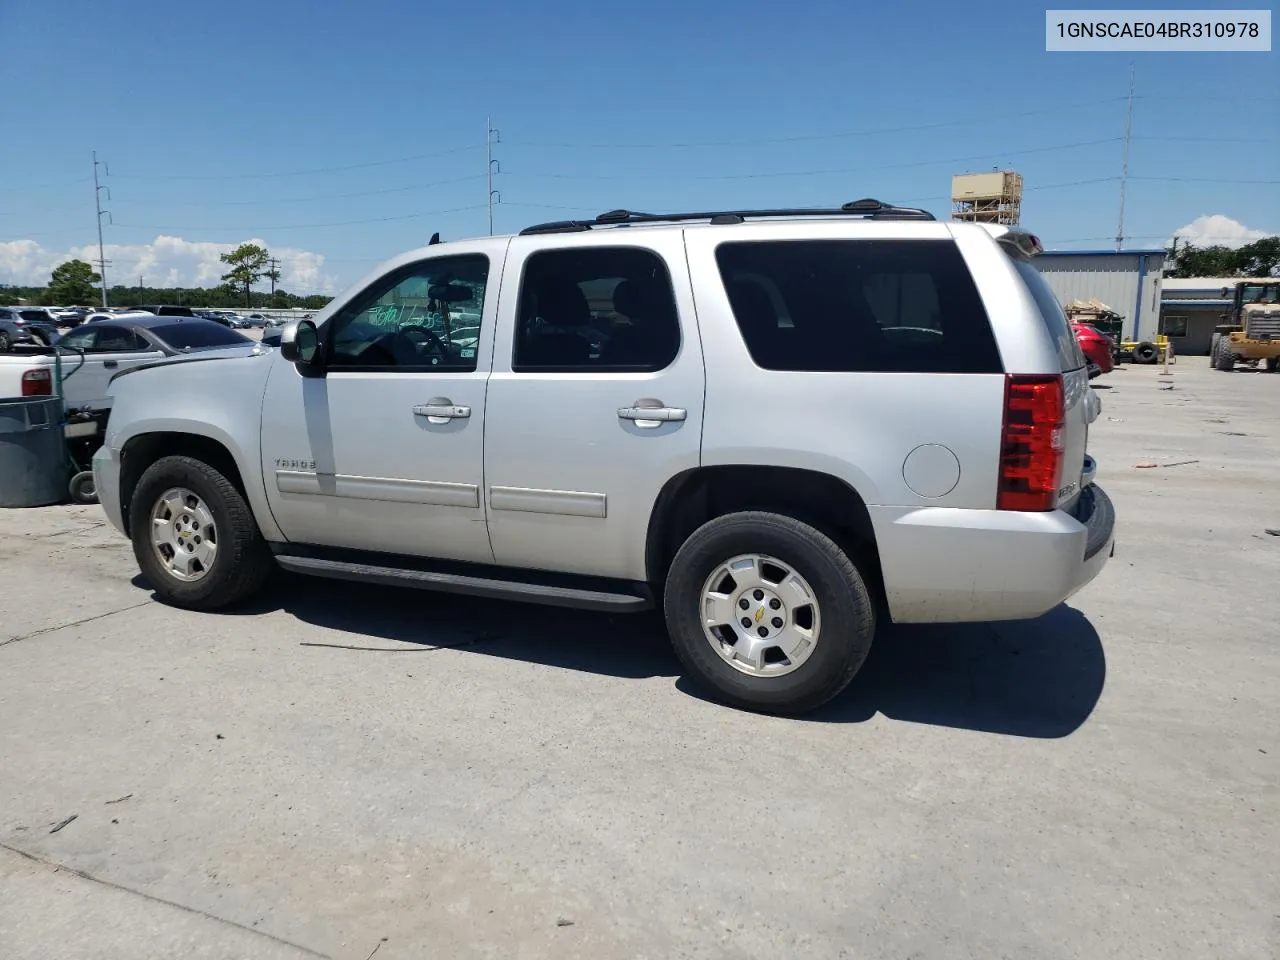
(219, 400)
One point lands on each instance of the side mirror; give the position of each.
(300, 343)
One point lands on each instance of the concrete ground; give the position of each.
(341, 771)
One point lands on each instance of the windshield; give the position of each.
(1261, 293)
(198, 335)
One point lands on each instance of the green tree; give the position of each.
(247, 264)
(1192, 261)
(1259, 259)
(73, 283)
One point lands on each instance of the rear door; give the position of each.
(1081, 404)
(595, 400)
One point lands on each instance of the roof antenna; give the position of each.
(435, 238)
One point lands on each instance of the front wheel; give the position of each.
(768, 612)
(195, 537)
(1226, 360)
(1273, 364)
(5, 343)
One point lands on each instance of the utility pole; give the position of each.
(274, 275)
(1124, 166)
(491, 166)
(97, 202)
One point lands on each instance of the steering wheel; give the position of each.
(432, 342)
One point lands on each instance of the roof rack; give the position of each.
(868, 208)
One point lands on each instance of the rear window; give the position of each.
(175, 311)
(858, 306)
(1070, 357)
(198, 335)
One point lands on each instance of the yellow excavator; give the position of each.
(1251, 333)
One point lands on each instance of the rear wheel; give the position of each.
(1273, 364)
(768, 612)
(5, 343)
(194, 537)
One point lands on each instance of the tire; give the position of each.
(1225, 360)
(241, 560)
(1146, 352)
(82, 488)
(1213, 348)
(5, 343)
(1273, 364)
(841, 615)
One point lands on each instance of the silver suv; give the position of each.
(775, 425)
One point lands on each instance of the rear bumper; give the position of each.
(943, 565)
(106, 481)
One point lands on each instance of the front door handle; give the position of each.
(110, 364)
(441, 410)
(648, 413)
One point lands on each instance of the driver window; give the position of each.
(425, 316)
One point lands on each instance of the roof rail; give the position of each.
(868, 208)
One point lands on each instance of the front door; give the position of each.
(384, 451)
(595, 399)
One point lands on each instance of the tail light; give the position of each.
(1031, 449)
(37, 383)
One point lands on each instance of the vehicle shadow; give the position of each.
(1028, 678)
(1034, 678)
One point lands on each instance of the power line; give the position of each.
(817, 173)
(301, 173)
(818, 136)
(1206, 180)
(303, 226)
(322, 197)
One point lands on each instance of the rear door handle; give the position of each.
(441, 410)
(110, 364)
(648, 413)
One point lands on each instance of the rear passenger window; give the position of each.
(596, 309)
(1070, 356)
(858, 306)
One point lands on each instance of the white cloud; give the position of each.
(1218, 230)
(166, 262)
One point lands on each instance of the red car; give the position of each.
(1096, 345)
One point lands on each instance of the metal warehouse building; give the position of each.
(1128, 281)
(1191, 308)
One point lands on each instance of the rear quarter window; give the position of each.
(1070, 356)
(876, 306)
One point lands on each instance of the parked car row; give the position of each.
(26, 325)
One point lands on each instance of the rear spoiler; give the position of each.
(1026, 244)
(1016, 240)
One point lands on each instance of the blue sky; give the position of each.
(345, 136)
